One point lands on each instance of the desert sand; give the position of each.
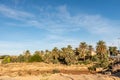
(43, 71)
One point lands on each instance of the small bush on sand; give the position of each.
(55, 71)
(92, 68)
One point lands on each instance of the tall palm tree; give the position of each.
(90, 49)
(27, 55)
(69, 49)
(55, 53)
(83, 49)
(47, 51)
(113, 50)
(62, 55)
(76, 51)
(47, 56)
(67, 55)
(101, 48)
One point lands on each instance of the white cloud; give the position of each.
(14, 14)
(60, 20)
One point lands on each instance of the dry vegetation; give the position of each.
(22, 69)
(43, 71)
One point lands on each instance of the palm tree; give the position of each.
(62, 55)
(90, 49)
(67, 55)
(39, 53)
(71, 58)
(69, 49)
(101, 48)
(113, 50)
(27, 55)
(47, 51)
(55, 54)
(83, 49)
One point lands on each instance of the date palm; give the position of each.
(90, 49)
(113, 50)
(55, 53)
(101, 48)
(27, 55)
(83, 49)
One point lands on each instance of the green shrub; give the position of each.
(6, 60)
(55, 61)
(86, 62)
(21, 58)
(104, 63)
(92, 68)
(3, 56)
(95, 58)
(100, 64)
(13, 59)
(35, 58)
(55, 71)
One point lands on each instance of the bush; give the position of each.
(6, 60)
(55, 71)
(95, 58)
(92, 68)
(86, 62)
(3, 56)
(13, 59)
(21, 58)
(55, 61)
(101, 64)
(35, 58)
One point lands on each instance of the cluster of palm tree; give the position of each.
(66, 55)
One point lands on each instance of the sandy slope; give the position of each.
(61, 76)
(42, 71)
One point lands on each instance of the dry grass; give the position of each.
(43, 71)
(22, 69)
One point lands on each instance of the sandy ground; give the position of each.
(61, 76)
(42, 71)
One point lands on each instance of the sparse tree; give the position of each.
(83, 49)
(90, 50)
(113, 50)
(20, 58)
(55, 55)
(27, 55)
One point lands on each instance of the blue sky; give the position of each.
(44, 24)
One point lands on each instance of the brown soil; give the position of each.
(22, 69)
(74, 72)
(43, 71)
